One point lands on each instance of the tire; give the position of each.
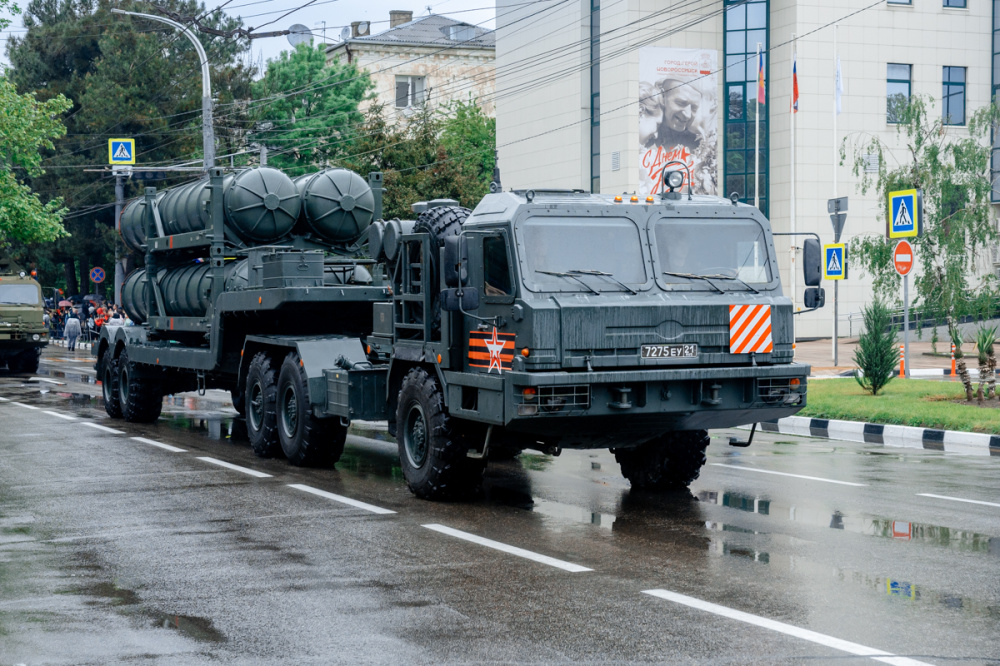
(261, 389)
(670, 462)
(438, 223)
(109, 384)
(140, 392)
(239, 400)
(432, 450)
(25, 362)
(308, 441)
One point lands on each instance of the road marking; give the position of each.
(237, 468)
(103, 428)
(341, 498)
(788, 629)
(172, 449)
(62, 416)
(23, 405)
(959, 499)
(48, 381)
(797, 476)
(4, 399)
(513, 550)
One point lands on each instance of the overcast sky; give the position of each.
(336, 13)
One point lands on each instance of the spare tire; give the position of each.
(438, 223)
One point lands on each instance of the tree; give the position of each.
(876, 352)
(469, 137)
(7, 5)
(953, 171)
(27, 126)
(308, 130)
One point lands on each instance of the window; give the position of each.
(899, 2)
(496, 267)
(409, 91)
(897, 91)
(739, 252)
(19, 294)
(953, 96)
(958, 4)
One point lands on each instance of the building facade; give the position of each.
(570, 101)
(428, 60)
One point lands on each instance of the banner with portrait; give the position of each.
(678, 116)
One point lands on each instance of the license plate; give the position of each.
(670, 351)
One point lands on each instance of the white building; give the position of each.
(568, 91)
(432, 59)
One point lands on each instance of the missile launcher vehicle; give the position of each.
(541, 319)
(22, 329)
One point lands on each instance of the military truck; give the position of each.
(541, 319)
(22, 329)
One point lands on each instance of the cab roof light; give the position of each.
(635, 199)
(618, 198)
(650, 199)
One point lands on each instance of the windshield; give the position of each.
(583, 247)
(714, 248)
(18, 294)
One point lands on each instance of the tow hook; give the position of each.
(735, 441)
(622, 395)
(713, 395)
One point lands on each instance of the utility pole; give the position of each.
(121, 173)
(207, 131)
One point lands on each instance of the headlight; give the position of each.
(674, 179)
(36, 337)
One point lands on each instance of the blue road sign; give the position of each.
(835, 261)
(121, 151)
(97, 274)
(904, 214)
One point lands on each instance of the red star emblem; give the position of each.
(495, 346)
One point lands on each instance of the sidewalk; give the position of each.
(819, 354)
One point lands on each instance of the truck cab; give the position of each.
(22, 329)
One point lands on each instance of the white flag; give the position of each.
(839, 90)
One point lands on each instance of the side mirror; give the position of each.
(456, 262)
(454, 300)
(814, 298)
(812, 263)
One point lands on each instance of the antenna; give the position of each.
(298, 34)
(364, 27)
(345, 33)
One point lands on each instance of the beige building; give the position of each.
(568, 91)
(428, 60)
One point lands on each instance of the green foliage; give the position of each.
(7, 6)
(26, 127)
(309, 130)
(429, 155)
(876, 352)
(951, 166)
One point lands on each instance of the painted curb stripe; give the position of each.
(512, 550)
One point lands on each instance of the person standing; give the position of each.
(73, 331)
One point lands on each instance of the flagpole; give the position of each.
(836, 93)
(756, 140)
(791, 239)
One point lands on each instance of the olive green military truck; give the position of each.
(22, 330)
(539, 320)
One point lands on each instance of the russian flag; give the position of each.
(795, 85)
(760, 78)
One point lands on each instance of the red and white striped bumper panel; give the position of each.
(750, 329)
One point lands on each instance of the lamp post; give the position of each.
(208, 133)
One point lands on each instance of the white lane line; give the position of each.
(958, 499)
(62, 416)
(4, 399)
(341, 499)
(513, 550)
(788, 629)
(103, 428)
(237, 468)
(47, 381)
(21, 404)
(167, 447)
(797, 476)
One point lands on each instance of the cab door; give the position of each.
(491, 340)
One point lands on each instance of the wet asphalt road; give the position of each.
(118, 550)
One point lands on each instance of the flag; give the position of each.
(839, 89)
(760, 78)
(795, 85)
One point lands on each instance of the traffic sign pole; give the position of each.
(902, 261)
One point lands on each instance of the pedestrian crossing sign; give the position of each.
(121, 151)
(835, 261)
(905, 214)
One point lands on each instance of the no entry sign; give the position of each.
(902, 257)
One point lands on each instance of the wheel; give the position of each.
(109, 384)
(669, 462)
(432, 452)
(140, 392)
(25, 362)
(262, 387)
(439, 223)
(239, 400)
(306, 439)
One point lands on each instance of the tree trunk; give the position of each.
(991, 369)
(84, 277)
(71, 284)
(963, 372)
(981, 389)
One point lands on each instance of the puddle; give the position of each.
(108, 593)
(198, 628)
(215, 427)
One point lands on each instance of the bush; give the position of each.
(876, 354)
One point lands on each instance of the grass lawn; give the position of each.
(914, 402)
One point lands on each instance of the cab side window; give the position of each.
(496, 267)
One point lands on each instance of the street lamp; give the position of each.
(207, 132)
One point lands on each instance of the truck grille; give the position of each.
(552, 399)
(779, 391)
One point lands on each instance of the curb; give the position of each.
(949, 441)
(927, 372)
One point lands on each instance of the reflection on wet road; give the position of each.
(173, 542)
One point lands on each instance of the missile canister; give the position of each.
(337, 204)
(187, 290)
(262, 205)
(132, 230)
